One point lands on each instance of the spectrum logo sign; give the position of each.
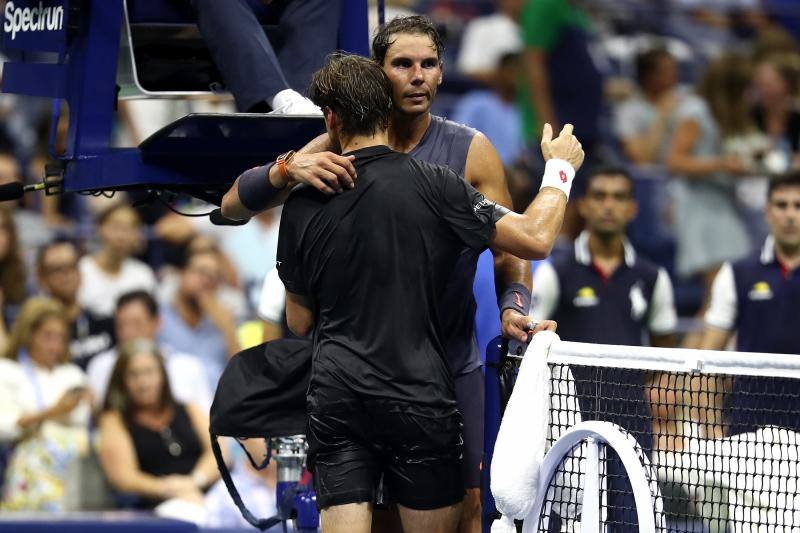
(39, 18)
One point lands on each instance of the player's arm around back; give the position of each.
(532, 234)
(268, 186)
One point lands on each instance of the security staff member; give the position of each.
(758, 298)
(604, 293)
(364, 270)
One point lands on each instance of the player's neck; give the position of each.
(406, 131)
(357, 142)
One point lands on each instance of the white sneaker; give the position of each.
(290, 102)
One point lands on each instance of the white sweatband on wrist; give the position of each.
(559, 174)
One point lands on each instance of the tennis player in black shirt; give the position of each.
(364, 270)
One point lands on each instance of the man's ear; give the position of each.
(441, 72)
(331, 120)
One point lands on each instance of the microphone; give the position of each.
(15, 190)
(217, 219)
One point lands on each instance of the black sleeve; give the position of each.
(289, 255)
(468, 212)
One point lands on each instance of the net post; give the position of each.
(590, 508)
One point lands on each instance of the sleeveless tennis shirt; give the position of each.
(447, 143)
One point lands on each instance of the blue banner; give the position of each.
(36, 25)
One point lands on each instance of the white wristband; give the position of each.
(559, 174)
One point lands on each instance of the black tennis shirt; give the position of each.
(374, 262)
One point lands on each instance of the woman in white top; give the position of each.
(112, 270)
(44, 408)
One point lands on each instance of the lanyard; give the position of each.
(27, 366)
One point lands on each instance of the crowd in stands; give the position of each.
(117, 322)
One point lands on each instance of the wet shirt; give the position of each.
(374, 262)
(447, 143)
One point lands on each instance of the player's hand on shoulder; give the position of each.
(566, 146)
(325, 171)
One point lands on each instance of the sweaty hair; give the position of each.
(792, 179)
(414, 25)
(357, 90)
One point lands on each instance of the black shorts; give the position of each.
(471, 403)
(354, 445)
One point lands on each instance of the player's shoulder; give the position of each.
(430, 173)
(452, 129)
(303, 195)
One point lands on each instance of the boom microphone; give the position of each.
(217, 219)
(15, 190)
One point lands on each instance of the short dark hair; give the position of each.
(357, 90)
(792, 179)
(143, 297)
(648, 62)
(413, 25)
(610, 170)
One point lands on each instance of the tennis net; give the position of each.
(721, 431)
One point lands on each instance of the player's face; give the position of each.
(783, 216)
(608, 206)
(415, 71)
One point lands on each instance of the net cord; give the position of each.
(673, 359)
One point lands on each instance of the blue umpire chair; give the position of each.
(70, 50)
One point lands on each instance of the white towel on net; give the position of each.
(522, 439)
